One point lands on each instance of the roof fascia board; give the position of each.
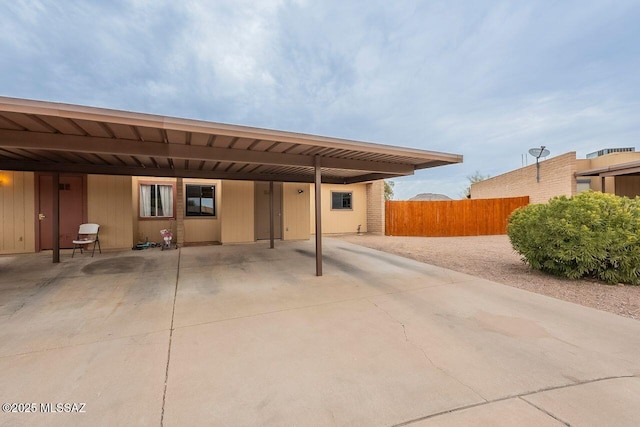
(368, 177)
(619, 169)
(619, 172)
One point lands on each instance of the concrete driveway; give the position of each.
(244, 335)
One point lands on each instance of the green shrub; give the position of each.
(588, 235)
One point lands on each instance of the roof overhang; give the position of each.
(630, 168)
(45, 136)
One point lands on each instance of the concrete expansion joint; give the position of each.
(574, 384)
(520, 396)
(555, 417)
(429, 361)
(171, 329)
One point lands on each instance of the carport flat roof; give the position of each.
(47, 136)
(629, 168)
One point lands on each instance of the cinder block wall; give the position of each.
(375, 207)
(557, 177)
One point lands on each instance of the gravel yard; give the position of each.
(492, 258)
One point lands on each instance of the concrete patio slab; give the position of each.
(70, 310)
(121, 381)
(246, 335)
(244, 283)
(302, 367)
(504, 343)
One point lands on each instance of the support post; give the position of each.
(318, 189)
(602, 182)
(271, 216)
(56, 217)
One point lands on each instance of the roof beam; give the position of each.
(87, 144)
(34, 166)
(368, 177)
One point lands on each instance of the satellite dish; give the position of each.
(539, 152)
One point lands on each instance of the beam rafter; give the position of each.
(86, 144)
(35, 166)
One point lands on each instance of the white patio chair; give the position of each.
(87, 234)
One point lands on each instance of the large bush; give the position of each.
(588, 235)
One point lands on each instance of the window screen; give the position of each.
(201, 200)
(340, 200)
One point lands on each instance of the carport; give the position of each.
(61, 138)
(626, 177)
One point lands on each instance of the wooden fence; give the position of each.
(477, 217)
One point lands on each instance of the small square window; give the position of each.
(340, 200)
(201, 200)
(583, 185)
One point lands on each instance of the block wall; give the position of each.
(557, 177)
(375, 207)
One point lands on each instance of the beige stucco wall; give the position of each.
(237, 212)
(109, 204)
(557, 177)
(295, 211)
(340, 221)
(611, 159)
(17, 212)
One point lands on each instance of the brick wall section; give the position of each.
(179, 213)
(375, 207)
(557, 177)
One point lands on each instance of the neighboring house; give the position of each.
(135, 174)
(608, 169)
(430, 197)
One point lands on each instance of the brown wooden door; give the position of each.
(71, 190)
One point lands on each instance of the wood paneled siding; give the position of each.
(451, 218)
(204, 229)
(295, 211)
(144, 228)
(17, 212)
(109, 204)
(237, 212)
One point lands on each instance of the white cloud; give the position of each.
(484, 79)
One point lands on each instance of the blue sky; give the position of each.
(488, 79)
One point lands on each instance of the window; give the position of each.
(583, 185)
(201, 200)
(156, 200)
(340, 200)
